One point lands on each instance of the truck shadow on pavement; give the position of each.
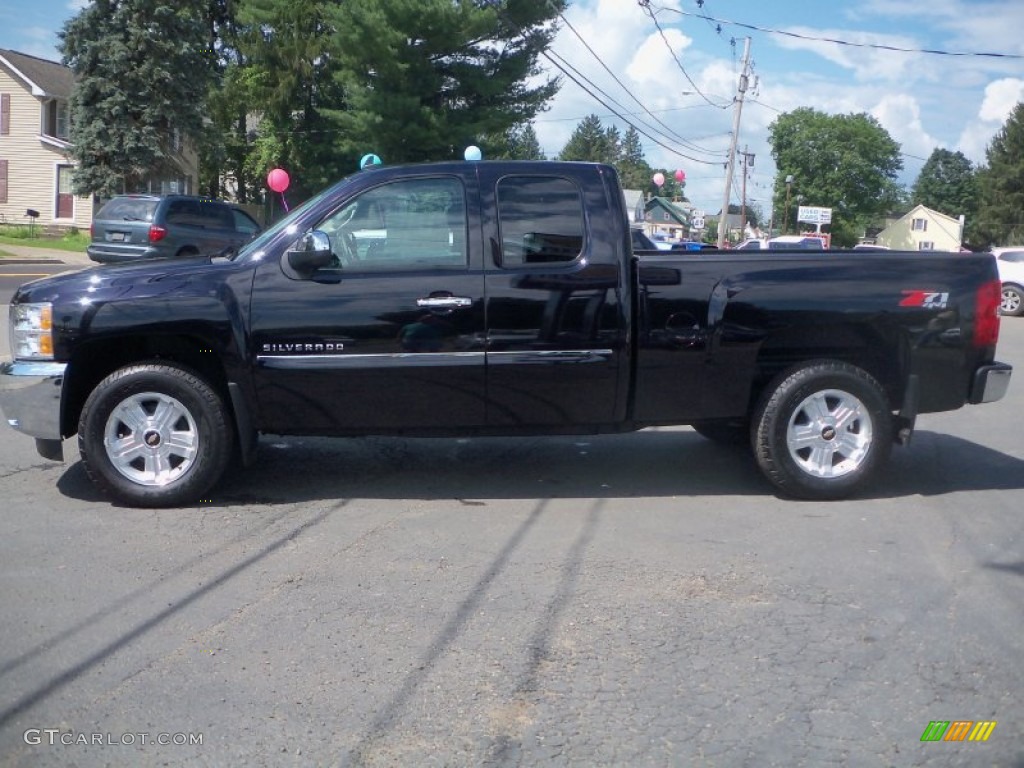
(651, 463)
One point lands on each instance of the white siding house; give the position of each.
(35, 169)
(923, 229)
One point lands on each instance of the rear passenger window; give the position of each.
(184, 213)
(540, 219)
(215, 215)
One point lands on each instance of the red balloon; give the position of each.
(278, 180)
(680, 175)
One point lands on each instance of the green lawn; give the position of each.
(76, 242)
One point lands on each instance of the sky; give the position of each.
(671, 68)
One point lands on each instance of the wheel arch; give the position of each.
(95, 360)
(884, 353)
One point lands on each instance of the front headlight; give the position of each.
(32, 331)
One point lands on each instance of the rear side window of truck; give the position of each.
(541, 221)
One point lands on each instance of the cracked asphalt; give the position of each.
(632, 600)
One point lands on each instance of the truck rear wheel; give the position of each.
(822, 430)
(154, 435)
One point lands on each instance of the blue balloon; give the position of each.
(370, 159)
(472, 153)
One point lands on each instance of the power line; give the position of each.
(878, 46)
(646, 5)
(629, 91)
(673, 137)
(603, 103)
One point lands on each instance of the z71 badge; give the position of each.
(926, 299)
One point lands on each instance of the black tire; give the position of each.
(803, 442)
(1012, 300)
(732, 432)
(173, 427)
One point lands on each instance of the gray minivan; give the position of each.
(130, 227)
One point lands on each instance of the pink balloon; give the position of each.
(278, 180)
(658, 178)
(680, 175)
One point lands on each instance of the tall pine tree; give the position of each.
(142, 69)
(1001, 185)
(423, 79)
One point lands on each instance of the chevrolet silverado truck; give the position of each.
(493, 298)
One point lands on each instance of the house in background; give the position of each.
(923, 229)
(35, 161)
(35, 167)
(668, 218)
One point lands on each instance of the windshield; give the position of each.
(253, 246)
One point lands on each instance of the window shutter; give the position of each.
(5, 114)
(3, 181)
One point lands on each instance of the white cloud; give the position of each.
(900, 115)
(1001, 96)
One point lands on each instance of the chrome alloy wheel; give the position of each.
(1010, 304)
(151, 439)
(829, 433)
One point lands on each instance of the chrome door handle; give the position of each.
(444, 302)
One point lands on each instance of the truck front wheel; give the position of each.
(822, 430)
(154, 435)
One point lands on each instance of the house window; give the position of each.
(919, 225)
(63, 122)
(65, 199)
(925, 246)
(665, 216)
(56, 119)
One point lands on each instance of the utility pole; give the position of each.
(741, 89)
(748, 161)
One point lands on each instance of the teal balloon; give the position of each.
(472, 153)
(370, 159)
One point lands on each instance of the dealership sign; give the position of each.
(813, 215)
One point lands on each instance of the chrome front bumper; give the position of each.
(30, 397)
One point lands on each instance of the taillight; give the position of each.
(986, 314)
(92, 231)
(156, 233)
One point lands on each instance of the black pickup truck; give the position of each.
(493, 298)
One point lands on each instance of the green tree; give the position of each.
(633, 168)
(591, 142)
(142, 69)
(946, 184)
(517, 143)
(1001, 186)
(848, 163)
(289, 66)
(423, 79)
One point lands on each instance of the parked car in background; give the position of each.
(132, 227)
(870, 247)
(1010, 262)
(641, 242)
(782, 243)
(661, 242)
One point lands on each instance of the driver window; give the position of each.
(403, 225)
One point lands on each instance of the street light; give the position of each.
(785, 223)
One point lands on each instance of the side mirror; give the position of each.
(310, 253)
